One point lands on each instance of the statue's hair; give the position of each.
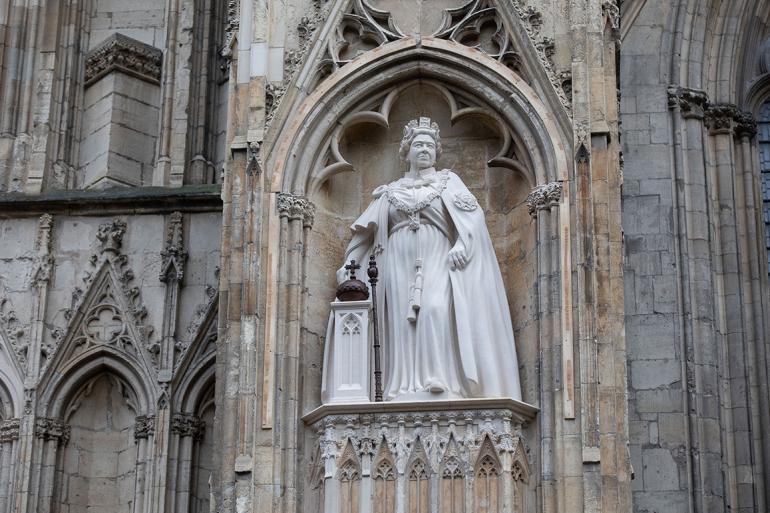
(413, 129)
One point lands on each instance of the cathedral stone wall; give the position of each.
(177, 182)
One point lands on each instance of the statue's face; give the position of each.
(422, 152)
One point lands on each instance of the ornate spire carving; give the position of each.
(173, 255)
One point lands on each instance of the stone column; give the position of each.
(53, 435)
(9, 442)
(542, 203)
(144, 435)
(187, 430)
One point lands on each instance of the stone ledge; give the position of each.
(522, 412)
(119, 200)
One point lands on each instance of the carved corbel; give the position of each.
(544, 197)
(691, 102)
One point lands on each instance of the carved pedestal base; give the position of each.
(462, 456)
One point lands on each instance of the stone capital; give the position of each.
(52, 429)
(543, 197)
(296, 208)
(9, 430)
(719, 117)
(144, 427)
(188, 425)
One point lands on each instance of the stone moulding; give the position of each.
(122, 53)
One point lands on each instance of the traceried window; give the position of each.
(763, 137)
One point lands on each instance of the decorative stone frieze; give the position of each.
(185, 424)
(393, 445)
(544, 197)
(144, 426)
(52, 429)
(691, 102)
(173, 255)
(122, 53)
(9, 430)
(296, 207)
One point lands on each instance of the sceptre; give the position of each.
(372, 272)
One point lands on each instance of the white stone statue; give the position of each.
(445, 326)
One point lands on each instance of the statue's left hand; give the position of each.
(458, 258)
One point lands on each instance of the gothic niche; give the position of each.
(98, 471)
(362, 154)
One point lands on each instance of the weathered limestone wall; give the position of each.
(695, 283)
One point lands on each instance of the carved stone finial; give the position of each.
(543, 197)
(110, 235)
(173, 255)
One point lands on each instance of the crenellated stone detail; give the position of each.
(544, 197)
(122, 53)
(144, 426)
(52, 429)
(9, 430)
(296, 208)
(184, 424)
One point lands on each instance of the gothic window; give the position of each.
(763, 138)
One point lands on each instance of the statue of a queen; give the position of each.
(443, 314)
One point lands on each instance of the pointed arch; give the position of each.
(418, 471)
(499, 88)
(486, 484)
(384, 475)
(452, 474)
(349, 477)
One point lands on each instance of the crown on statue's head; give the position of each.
(421, 125)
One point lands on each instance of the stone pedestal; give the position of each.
(462, 456)
(347, 361)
